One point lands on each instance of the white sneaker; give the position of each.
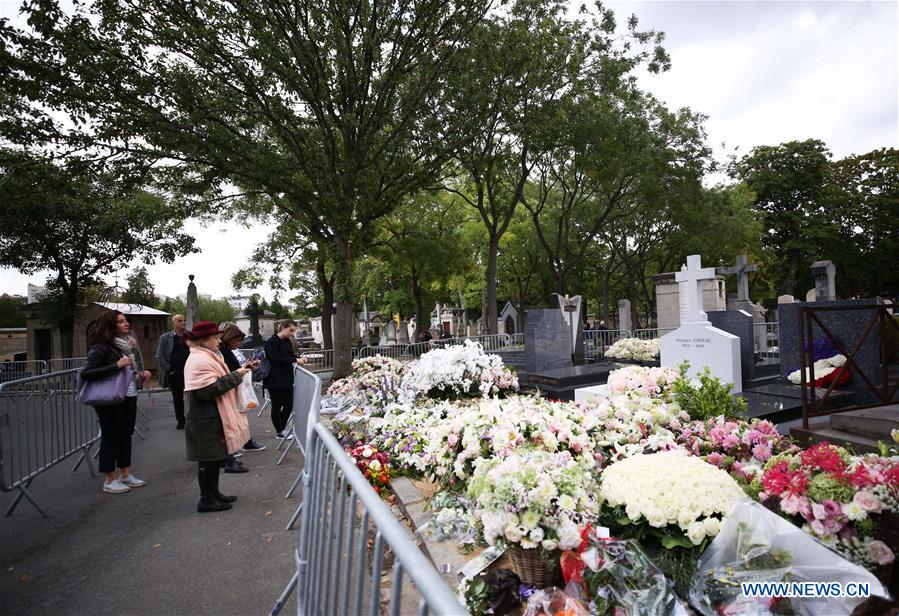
(131, 481)
(115, 487)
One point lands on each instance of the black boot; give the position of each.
(206, 475)
(234, 466)
(214, 489)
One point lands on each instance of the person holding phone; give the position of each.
(279, 382)
(112, 349)
(215, 428)
(232, 337)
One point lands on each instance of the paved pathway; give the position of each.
(148, 551)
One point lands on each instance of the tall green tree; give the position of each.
(790, 184)
(80, 220)
(330, 111)
(12, 311)
(139, 290)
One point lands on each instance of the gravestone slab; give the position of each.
(390, 332)
(547, 340)
(572, 309)
(825, 275)
(740, 324)
(403, 333)
(624, 315)
(846, 326)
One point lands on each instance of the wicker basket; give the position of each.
(532, 569)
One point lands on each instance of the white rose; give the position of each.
(536, 535)
(656, 518)
(712, 526)
(696, 533)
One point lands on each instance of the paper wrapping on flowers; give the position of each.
(755, 545)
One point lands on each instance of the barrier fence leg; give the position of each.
(293, 486)
(84, 453)
(288, 432)
(24, 492)
(296, 514)
(279, 604)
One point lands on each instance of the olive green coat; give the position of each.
(203, 426)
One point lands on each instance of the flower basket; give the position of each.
(532, 569)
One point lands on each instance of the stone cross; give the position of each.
(624, 314)
(689, 282)
(825, 273)
(742, 267)
(254, 338)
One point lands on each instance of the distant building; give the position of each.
(238, 302)
(44, 341)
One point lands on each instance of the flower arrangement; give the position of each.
(823, 372)
(534, 499)
(628, 424)
(681, 497)
(366, 394)
(403, 433)
(458, 371)
(373, 463)
(616, 576)
(836, 497)
(738, 446)
(378, 363)
(653, 381)
(634, 349)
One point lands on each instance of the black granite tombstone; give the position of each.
(848, 328)
(547, 340)
(740, 324)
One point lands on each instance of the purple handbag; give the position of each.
(105, 392)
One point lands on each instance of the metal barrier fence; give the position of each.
(767, 340)
(41, 424)
(516, 340)
(16, 370)
(69, 363)
(652, 332)
(596, 341)
(348, 535)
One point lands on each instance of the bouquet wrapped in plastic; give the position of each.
(612, 574)
(757, 546)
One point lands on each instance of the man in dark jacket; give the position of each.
(171, 355)
(279, 382)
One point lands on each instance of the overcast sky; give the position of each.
(763, 73)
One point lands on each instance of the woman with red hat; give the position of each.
(215, 427)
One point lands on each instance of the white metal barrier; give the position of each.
(596, 341)
(652, 332)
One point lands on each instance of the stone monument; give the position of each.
(668, 298)
(403, 333)
(696, 340)
(254, 338)
(572, 311)
(825, 274)
(193, 304)
(547, 340)
(742, 268)
(390, 332)
(624, 315)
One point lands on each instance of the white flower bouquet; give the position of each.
(652, 381)
(629, 424)
(821, 370)
(634, 349)
(680, 497)
(378, 363)
(534, 499)
(459, 371)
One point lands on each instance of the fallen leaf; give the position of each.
(268, 514)
(157, 545)
(268, 539)
(24, 578)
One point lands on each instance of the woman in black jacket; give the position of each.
(279, 382)
(111, 350)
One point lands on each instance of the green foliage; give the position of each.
(139, 290)
(218, 310)
(12, 312)
(709, 398)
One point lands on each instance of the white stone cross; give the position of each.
(689, 280)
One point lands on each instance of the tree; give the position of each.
(789, 181)
(80, 220)
(139, 290)
(525, 62)
(12, 311)
(330, 112)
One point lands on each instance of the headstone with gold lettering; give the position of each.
(696, 340)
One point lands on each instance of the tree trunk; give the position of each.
(792, 273)
(327, 286)
(419, 306)
(344, 320)
(490, 308)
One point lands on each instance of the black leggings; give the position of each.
(116, 428)
(282, 405)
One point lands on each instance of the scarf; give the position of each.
(205, 367)
(131, 350)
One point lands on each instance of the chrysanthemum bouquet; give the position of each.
(459, 371)
(634, 349)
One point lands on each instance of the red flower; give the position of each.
(825, 457)
(779, 480)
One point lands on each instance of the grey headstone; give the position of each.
(547, 340)
(403, 333)
(742, 267)
(193, 304)
(624, 315)
(825, 274)
(786, 299)
(846, 326)
(572, 309)
(390, 332)
(740, 324)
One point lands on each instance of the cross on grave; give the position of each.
(742, 268)
(689, 280)
(254, 338)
